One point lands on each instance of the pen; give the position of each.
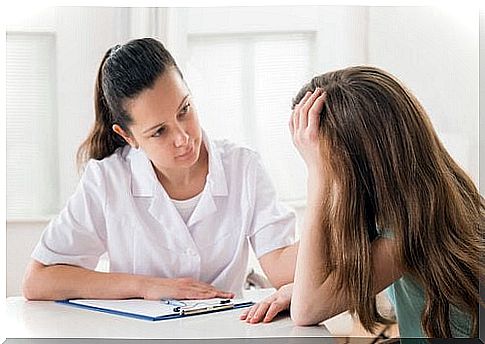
(175, 303)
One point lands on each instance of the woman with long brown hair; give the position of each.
(387, 205)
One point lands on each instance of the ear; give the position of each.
(126, 136)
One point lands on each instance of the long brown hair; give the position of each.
(392, 171)
(124, 72)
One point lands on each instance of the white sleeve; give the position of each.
(273, 224)
(77, 236)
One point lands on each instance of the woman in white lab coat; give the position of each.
(174, 211)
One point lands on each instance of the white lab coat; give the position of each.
(120, 208)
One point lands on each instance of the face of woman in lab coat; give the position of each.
(165, 123)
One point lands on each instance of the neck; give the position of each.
(183, 178)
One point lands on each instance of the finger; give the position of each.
(208, 294)
(197, 284)
(199, 293)
(296, 113)
(251, 312)
(244, 314)
(296, 119)
(304, 111)
(315, 110)
(273, 310)
(225, 294)
(304, 99)
(205, 285)
(290, 124)
(260, 312)
(202, 286)
(221, 293)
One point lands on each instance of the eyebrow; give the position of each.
(160, 124)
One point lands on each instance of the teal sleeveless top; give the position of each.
(408, 299)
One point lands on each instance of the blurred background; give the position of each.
(243, 66)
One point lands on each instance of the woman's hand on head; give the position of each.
(180, 288)
(269, 307)
(305, 128)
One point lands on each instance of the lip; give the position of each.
(186, 154)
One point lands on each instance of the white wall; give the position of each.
(21, 238)
(434, 51)
(82, 36)
(341, 30)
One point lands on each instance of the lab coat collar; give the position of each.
(143, 178)
(216, 184)
(144, 181)
(216, 178)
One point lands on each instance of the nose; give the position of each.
(181, 138)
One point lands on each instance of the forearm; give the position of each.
(57, 282)
(311, 301)
(314, 299)
(314, 304)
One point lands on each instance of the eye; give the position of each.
(185, 109)
(159, 132)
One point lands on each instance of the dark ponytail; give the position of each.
(123, 74)
(102, 140)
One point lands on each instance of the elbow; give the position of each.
(301, 318)
(31, 286)
(29, 290)
(30, 296)
(306, 314)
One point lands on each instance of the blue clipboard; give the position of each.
(157, 310)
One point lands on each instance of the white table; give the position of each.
(45, 319)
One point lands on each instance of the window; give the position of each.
(32, 169)
(244, 89)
